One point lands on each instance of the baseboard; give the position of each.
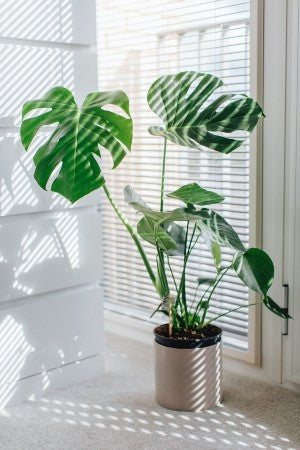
(38, 385)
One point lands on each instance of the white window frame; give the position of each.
(253, 354)
(275, 54)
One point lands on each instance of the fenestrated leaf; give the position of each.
(276, 309)
(179, 101)
(216, 229)
(75, 140)
(255, 268)
(153, 233)
(195, 194)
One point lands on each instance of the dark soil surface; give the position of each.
(183, 335)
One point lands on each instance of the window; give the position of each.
(136, 44)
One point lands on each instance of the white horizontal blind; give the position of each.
(136, 44)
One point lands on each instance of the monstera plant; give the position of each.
(193, 114)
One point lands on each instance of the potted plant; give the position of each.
(194, 115)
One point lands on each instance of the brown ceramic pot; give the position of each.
(188, 374)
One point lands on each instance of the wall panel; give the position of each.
(67, 21)
(48, 252)
(47, 332)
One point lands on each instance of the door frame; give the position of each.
(291, 261)
(275, 29)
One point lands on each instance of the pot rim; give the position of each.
(187, 343)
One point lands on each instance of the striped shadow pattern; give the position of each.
(180, 101)
(75, 140)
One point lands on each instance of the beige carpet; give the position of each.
(117, 411)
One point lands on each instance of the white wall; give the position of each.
(50, 252)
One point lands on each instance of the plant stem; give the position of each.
(211, 293)
(161, 262)
(161, 273)
(171, 271)
(198, 306)
(133, 235)
(161, 266)
(157, 309)
(191, 241)
(232, 310)
(162, 188)
(183, 287)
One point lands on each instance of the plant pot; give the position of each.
(188, 373)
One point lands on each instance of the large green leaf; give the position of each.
(75, 140)
(155, 234)
(195, 194)
(176, 215)
(215, 229)
(255, 268)
(146, 229)
(165, 217)
(276, 309)
(180, 101)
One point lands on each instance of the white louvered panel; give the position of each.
(50, 250)
(48, 21)
(136, 44)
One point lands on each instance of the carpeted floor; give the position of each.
(117, 411)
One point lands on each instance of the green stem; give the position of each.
(163, 172)
(161, 273)
(171, 271)
(161, 262)
(191, 241)
(232, 310)
(194, 299)
(156, 310)
(178, 302)
(186, 253)
(198, 306)
(211, 293)
(181, 289)
(133, 235)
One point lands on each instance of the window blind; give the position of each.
(137, 42)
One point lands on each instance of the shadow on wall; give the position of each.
(32, 251)
(37, 19)
(14, 350)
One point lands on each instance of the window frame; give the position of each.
(253, 354)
